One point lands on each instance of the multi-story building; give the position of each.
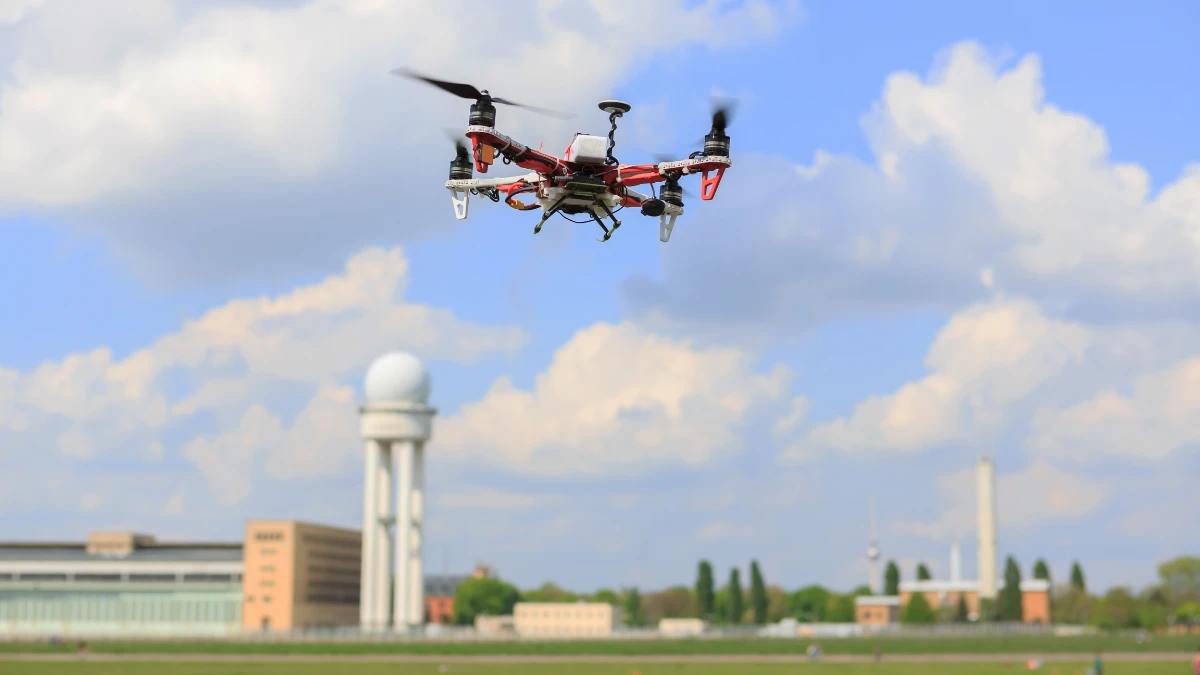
(120, 583)
(284, 575)
(565, 619)
(299, 575)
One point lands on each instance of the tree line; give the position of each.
(1174, 598)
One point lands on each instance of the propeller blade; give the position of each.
(457, 88)
(460, 142)
(472, 92)
(542, 111)
(723, 113)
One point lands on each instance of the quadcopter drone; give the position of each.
(587, 181)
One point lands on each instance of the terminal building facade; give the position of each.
(282, 576)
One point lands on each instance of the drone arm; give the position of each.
(522, 155)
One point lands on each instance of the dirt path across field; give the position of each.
(655, 658)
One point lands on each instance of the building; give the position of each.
(944, 595)
(495, 626)
(876, 610)
(681, 627)
(300, 575)
(440, 590)
(564, 619)
(120, 583)
(1035, 601)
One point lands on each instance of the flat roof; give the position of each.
(64, 551)
(938, 586)
(877, 601)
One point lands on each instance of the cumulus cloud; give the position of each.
(1159, 416)
(616, 399)
(976, 181)
(229, 366)
(987, 358)
(123, 116)
(1035, 495)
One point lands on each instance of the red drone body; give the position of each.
(587, 180)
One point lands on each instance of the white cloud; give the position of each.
(12, 11)
(495, 500)
(1160, 416)
(615, 399)
(122, 115)
(720, 529)
(973, 170)
(236, 358)
(1037, 494)
(987, 358)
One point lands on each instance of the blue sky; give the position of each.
(951, 228)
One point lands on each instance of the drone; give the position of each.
(587, 181)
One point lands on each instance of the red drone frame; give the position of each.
(587, 180)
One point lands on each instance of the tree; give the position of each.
(1073, 607)
(839, 608)
(704, 589)
(1041, 570)
(1117, 609)
(777, 603)
(1181, 575)
(483, 597)
(633, 608)
(549, 592)
(917, 610)
(606, 596)
(891, 579)
(923, 573)
(809, 603)
(758, 594)
(1077, 580)
(734, 604)
(1153, 611)
(1010, 595)
(961, 615)
(670, 603)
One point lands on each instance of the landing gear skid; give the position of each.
(558, 205)
(607, 232)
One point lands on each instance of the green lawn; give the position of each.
(956, 645)
(216, 668)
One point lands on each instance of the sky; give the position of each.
(950, 229)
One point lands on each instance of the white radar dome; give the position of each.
(397, 376)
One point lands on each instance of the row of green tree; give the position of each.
(1174, 598)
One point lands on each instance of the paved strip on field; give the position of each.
(1178, 657)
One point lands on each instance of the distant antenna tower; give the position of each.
(873, 554)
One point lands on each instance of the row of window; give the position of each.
(135, 610)
(133, 578)
(562, 613)
(332, 599)
(268, 536)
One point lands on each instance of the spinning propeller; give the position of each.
(472, 93)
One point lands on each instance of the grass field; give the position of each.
(1025, 644)
(124, 668)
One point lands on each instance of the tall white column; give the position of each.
(416, 572)
(383, 549)
(370, 573)
(955, 563)
(403, 451)
(986, 527)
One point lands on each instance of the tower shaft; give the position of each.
(986, 512)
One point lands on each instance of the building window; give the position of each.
(268, 536)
